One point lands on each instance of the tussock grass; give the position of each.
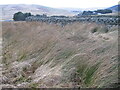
(76, 55)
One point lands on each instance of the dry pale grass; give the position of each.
(47, 55)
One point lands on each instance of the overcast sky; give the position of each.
(65, 3)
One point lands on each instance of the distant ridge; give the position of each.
(9, 9)
(115, 8)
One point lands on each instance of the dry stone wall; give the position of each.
(108, 20)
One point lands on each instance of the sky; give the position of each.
(65, 3)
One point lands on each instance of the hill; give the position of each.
(10, 9)
(115, 8)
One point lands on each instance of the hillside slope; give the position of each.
(47, 55)
(115, 8)
(10, 9)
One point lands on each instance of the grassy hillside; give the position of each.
(47, 55)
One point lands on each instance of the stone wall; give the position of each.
(107, 20)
